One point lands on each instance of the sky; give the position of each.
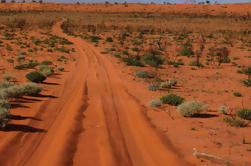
(140, 1)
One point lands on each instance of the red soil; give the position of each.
(94, 121)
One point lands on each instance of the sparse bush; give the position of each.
(237, 94)
(244, 113)
(155, 103)
(173, 82)
(152, 60)
(132, 61)
(46, 70)
(46, 63)
(190, 108)
(142, 74)
(109, 39)
(223, 109)
(35, 77)
(247, 82)
(153, 87)
(165, 85)
(8, 77)
(235, 122)
(172, 99)
(60, 68)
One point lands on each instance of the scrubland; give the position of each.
(188, 66)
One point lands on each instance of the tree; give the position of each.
(3, 1)
(40, 1)
(13, 1)
(208, 2)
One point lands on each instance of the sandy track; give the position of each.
(94, 122)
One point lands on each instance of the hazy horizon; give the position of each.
(139, 1)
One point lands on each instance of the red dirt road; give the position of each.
(94, 121)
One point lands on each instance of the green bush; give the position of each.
(46, 70)
(60, 68)
(247, 82)
(152, 60)
(35, 77)
(109, 39)
(244, 113)
(190, 108)
(46, 63)
(155, 103)
(186, 52)
(237, 94)
(172, 99)
(132, 61)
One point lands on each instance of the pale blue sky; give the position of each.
(140, 1)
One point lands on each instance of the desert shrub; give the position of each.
(165, 85)
(195, 63)
(237, 94)
(30, 89)
(223, 109)
(4, 114)
(235, 122)
(35, 77)
(190, 108)
(109, 39)
(5, 84)
(173, 82)
(132, 61)
(20, 58)
(46, 63)
(247, 82)
(143, 74)
(63, 49)
(14, 92)
(155, 103)
(152, 60)
(60, 68)
(95, 39)
(22, 66)
(244, 113)
(10, 60)
(186, 52)
(46, 70)
(4, 103)
(116, 54)
(172, 99)
(9, 48)
(168, 84)
(8, 77)
(153, 87)
(135, 49)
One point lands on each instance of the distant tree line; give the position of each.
(23, 1)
